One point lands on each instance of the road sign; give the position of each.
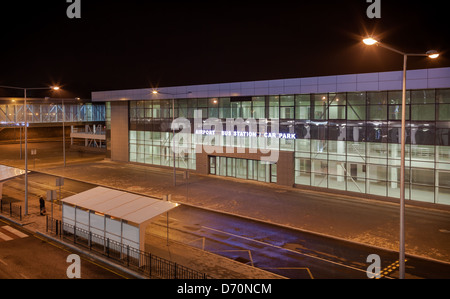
(51, 195)
(59, 182)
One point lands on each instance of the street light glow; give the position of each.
(433, 54)
(370, 41)
(155, 92)
(55, 87)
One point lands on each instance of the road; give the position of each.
(24, 255)
(287, 252)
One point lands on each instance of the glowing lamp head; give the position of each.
(433, 54)
(370, 41)
(55, 87)
(155, 92)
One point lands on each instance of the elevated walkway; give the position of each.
(93, 136)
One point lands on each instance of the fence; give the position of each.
(135, 259)
(11, 208)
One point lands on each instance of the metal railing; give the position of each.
(132, 258)
(14, 210)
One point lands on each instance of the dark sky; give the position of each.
(138, 44)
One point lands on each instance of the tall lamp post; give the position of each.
(156, 92)
(26, 139)
(369, 41)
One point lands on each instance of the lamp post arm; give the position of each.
(390, 48)
(400, 52)
(24, 88)
(423, 55)
(11, 87)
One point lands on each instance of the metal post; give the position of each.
(26, 137)
(64, 134)
(150, 265)
(167, 227)
(402, 175)
(20, 138)
(173, 142)
(26, 153)
(403, 145)
(128, 255)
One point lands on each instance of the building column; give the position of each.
(394, 170)
(119, 132)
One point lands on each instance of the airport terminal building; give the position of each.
(333, 133)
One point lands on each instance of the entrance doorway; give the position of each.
(255, 170)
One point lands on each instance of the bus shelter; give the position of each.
(117, 215)
(7, 173)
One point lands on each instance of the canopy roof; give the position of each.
(7, 172)
(119, 204)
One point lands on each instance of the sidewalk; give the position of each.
(369, 222)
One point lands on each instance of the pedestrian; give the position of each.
(42, 206)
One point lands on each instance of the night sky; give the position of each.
(139, 44)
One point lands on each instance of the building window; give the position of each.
(347, 141)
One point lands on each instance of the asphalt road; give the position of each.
(24, 255)
(287, 252)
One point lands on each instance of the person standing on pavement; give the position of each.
(41, 206)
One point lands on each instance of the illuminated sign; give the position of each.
(247, 134)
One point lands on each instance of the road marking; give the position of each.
(391, 268)
(7, 233)
(287, 249)
(15, 231)
(290, 268)
(24, 276)
(4, 237)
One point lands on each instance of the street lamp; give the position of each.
(370, 41)
(156, 92)
(26, 139)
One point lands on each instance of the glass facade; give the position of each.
(13, 113)
(347, 141)
(243, 169)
